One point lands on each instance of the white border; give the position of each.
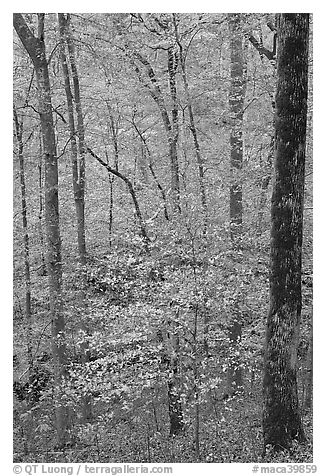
(319, 198)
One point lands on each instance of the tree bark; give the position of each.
(35, 47)
(281, 416)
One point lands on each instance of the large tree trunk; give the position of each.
(236, 103)
(281, 417)
(35, 47)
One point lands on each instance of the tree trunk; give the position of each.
(35, 47)
(265, 181)
(77, 150)
(281, 417)
(78, 184)
(170, 339)
(111, 202)
(78, 174)
(28, 309)
(174, 133)
(113, 130)
(196, 386)
(193, 129)
(151, 168)
(171, 129)
(175, 407)
(308, 377)
(236, 103)
(42, 269)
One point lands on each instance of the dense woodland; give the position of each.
(162, 312)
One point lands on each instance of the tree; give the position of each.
(35, 47)
(281, 417)
(148, 78)
(116, 173)
(77, 150)
(192, 124)
(19, 130)
(171, 341)
(236, 103)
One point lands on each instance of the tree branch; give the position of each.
(131, 191)
(260, 48)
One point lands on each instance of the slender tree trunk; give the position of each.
(151, 168)
(78, 173)
(35, 47)
(281, 417)
(196, 389)
(265, 181)
(114, 136)
(169, 337)
(236, 103)
(143, 163)
(81, 141)
(171, 129)
(28, 308)
(193, 129)
(77, 149)
(175, 407)
(111, 202)
(308, 377)
(174, 133)
(43, 270)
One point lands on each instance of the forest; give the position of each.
(162, 233)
